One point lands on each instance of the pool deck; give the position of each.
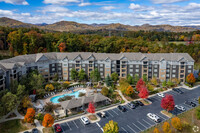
(66, 92)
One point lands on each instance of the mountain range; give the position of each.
(70, 26)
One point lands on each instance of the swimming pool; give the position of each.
(75, 94)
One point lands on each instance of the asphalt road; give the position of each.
(133, 120)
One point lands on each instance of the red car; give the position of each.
(58, 128)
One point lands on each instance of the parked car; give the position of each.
(131, 105)
(85, 120)
(154, 117)
(35, 130)
(177, 90)
(190, 103)
(161, 94)
(135, 103)
(122, 108)
(181, 108)
(101, 114)
(196, 99)
(58, 128)
(140, 103)
(26, 132)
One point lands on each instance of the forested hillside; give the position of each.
(31, 40)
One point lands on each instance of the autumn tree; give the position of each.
(49, 87)
(176, 123)
(91, 108)
(156, 130)
(48, 120)
(62, 47)
(166, 127)
(65, 84)
(154, 81)
(144, 93)
(26, 102)
(129, 91)
(167, 102)
(190, 79)
(139, 84)
(30, 115)
(114, 77)
(111, 127)
(104, 91)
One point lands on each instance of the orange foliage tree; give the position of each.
(30, 114)
(176, 123)
(62, 47)
(191, 79)
(166, 128)
(48, 121)
(156, 130)
(129, 90)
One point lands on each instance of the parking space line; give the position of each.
(142, 125)
(114, 112)
(124, 129)
(115, 109)
(147, 122)
(151, 120)
(187, 106)
(75, 124)
(110, 114)
(82, 122)
(161, 116)
(137, 127)
(62, 128)
(68, 125)
(131, 129)
(99, 126)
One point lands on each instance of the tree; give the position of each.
(108, 81)
(65, 84)
(129, 91)
(190, 79)
(48, 121)
(156, 130)
(62, 47)
(140, 84)
(136, 79)
(26, 102)
(74, 74)
(91, 108)
(143, 92)
(166, 127)
(13, 86)
(82, 75)
(168, 102)
(55, 78)
(111, 127)
(129, 79)
(30, 115)
(164, 83)
(105, 91)
(170, 83)
(154, 81)
(144, 77)
(114, 77)
(176, 123)
(9, 101)
(123, 85)
(21, 90)
(36, 81)
(49, 87)
(95, 75)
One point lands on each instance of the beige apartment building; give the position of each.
(164, 66)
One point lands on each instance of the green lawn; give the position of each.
(12, 126)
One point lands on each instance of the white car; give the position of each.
(85, 120)
(153, 117)
(161, 94)
(180, 107)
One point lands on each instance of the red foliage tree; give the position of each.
(91, 108)
(144, 93)
(140, 84)
(168, 102)
(62, 47)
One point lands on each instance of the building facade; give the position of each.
(164, 66)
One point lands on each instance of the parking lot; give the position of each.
(133, 120)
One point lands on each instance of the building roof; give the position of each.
(31, 58)
(78, 102)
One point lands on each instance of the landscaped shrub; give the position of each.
(170, 84)
(150, 87)
(30, 115)
(65, 98)
(81, 94)
(176, 123)
(198, 114)
(105, 91)
(49, 87)
(186, 125)
(156, 130)
(40, 116)
(166, 128)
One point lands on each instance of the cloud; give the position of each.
(60, 2)
(108, 7)
(15, 2)
(137, 7)
(53, 8)
(3, 13)
(85, 4)
(166, 1)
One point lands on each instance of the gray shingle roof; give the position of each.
(31, 58)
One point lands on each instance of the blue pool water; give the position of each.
(75, 94)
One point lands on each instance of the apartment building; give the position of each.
(164, 66)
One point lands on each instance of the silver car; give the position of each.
(180, 107)
(85, 120)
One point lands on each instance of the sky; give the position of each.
(129, 12)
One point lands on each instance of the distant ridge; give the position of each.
(70, 26)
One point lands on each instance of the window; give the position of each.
(189, 71)
(107, 70)
(167, 75)
(167, 70)
(90, 70)
(163, 75)
(59, 68)
(182, 76)
(53, 65)
(46, 70)
(101, 74)
(83, 65)
(131, 74)
(174, 66)
(53, 69)
(155, 66)
(131, 70)
(65, 64)
(83, 69)
(137, 66)
(136, 70)
(173, 75)
(189, 67)
(90, 65)
(162, 70)
(113, 69)
(65, 73)
(101, 69)
(173, 71)
(70, 65)
(123, 75)
(123, 70)
(155, 70)
(155, 75)
(182, 71)
(145, 71)
(101, 65)
(131, 66)
(149, 70)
